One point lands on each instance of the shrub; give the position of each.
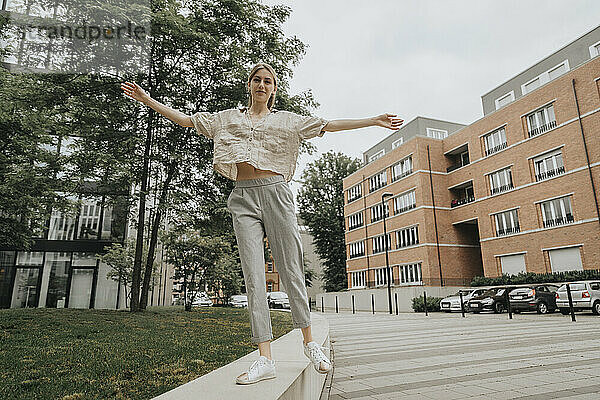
(530, 277)
(433, 304)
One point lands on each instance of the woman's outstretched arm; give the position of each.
(134, 91)
(390, 121)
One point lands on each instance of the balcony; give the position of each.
(502, 188)
(508, 231)
(403, 209)
(459, 157)
(496, 149)
(542, 128)
(549, 174)
(460, 202)
(567, 219)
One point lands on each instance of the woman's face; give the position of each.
(261, 86)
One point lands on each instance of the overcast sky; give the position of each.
(419, 58)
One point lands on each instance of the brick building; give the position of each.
(509, 193)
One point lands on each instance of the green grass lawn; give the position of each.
(73, 354)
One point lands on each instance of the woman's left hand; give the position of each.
(390, 121)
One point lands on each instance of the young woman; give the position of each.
(257, 147)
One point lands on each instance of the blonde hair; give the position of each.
(256, 68)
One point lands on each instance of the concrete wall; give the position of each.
(362, 298)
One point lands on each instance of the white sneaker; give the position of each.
(261, 369)
(315, 354)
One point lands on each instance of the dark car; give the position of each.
(540, 298)
(493, 299)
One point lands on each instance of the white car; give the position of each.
(452, 303)
(278, 300)
(202, 300)
(585, 296)
(238, 300)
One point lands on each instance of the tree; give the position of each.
(200, 261)
(120, 259)
(321, 206)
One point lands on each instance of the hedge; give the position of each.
(433, 304)
(530, 277)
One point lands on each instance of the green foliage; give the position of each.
(530, 277)
(321, 206)
(433, 304)
(50, 353)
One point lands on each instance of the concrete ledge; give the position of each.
(296, 377)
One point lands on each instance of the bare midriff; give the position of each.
(247, 171)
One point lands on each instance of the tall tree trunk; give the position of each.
(154, 235)
(139, 241)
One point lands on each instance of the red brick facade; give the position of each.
(468, 238)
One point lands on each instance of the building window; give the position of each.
(378, 243)
(402, 168)
(594, 50)
(501, 181)
(355, 221)
(407, 237)
(269, 286)
(495, 141)
(356, 249)
(557, 212)
(397, 143)
(548, 165)
(545, 77)
(377, 181)
(506, 99)
(381, 276)
(541, 120)
(437, 133)
(404, 202)
(410, 274)
(269, 266)
(377, 155)
(359, 279)
(377, 212)
(507, 222)
(355, 192)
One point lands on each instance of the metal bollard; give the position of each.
(396, 301)
(373, 303)
(425, 302)
(322, 307)
(462, 304)
(508, 304)
(353, 311)
(309, 304)
(336, 305)
(570, 302)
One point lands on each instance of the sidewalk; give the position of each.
(446, 357)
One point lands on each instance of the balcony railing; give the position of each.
(377, 186)
(351, 199)
(549, 174)
(351, 227)
(496, 149)
(508, 231)
(357, 255)
(567, 219)
(402, 175)
(403, 209)
(502, 188)
(542, 128)
(460, 202)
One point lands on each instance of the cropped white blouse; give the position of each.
(270, 144)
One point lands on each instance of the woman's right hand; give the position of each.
(134, 91)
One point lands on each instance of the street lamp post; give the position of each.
(387, 261)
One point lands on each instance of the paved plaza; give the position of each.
(446, 357)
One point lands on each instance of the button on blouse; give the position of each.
(269, 144)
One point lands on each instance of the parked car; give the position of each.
(202, 300)
(493, 299)
(540, 298)
(452, 303)
(585, 296)
(238, 300)
(278, 300)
